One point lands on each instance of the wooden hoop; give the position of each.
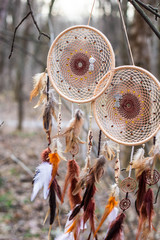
(129, 127)
(74, 83)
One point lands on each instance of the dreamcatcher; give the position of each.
(126, 106)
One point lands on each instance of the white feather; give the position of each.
(112, 216)
(139, 155)
(42, 179)
(115, 190)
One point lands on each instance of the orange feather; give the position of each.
(108, 209)
(54, 159)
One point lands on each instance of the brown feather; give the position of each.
(52, 204)
(146, 211)
(57, 189)
(45, 155)
(40, 80)
(73, 131)
(141, 191)
(115, 230)
(72, 179)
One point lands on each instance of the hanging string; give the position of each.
(72, 109)
(130, 167)
(91, 12)
(59, 115)
(125, 31)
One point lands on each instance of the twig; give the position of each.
(35, 23)
(14, 35)
(149, 8)
(145, 17)
(18, 161)
(4, 40)
(1, 123)
(40, 33)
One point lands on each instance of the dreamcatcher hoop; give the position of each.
(128, 111)
(78, 59)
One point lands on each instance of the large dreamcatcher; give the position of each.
(126, 106)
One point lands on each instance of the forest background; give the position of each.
(22, 138)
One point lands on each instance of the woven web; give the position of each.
(129, 110)
(68, 62)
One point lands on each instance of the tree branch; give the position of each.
(14, 35)
(23, 50)
(149, 8)
(35, 23)
(145, 17)
(33, 18)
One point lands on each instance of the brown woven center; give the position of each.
(129, 106)
(79, 64)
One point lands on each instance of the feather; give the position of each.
(57, 189)
(71, 179)
(52, 203)
(140, 164)
(47, 119)
(97, 169)
(75, 227)
(108, 209)
(146, 211)
(54, 160)
(39, 80)
(89, 214)
(45, 155)
(73, 131)
(42, 99)
(108, 150)
(141, 191)
(115, 230)
(41, 179)
(56, 146)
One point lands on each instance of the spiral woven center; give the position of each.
(129, 106)
(79, 64)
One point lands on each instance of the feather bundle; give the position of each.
(71, 179)
(94, 175)
(73, 131)
(138, 163)
(39, 82)
(41, 179)
(108, 150)
(146, 212)
(115, 230)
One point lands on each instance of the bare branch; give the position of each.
(14, 35)
(149, 8)
(145, 17)
(4, 40)
(40, 33)
(19, 162)
(1, 123)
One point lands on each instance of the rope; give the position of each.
(125, 31)
(91, 12)
(131, 159)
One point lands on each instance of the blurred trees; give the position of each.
(29, 56)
